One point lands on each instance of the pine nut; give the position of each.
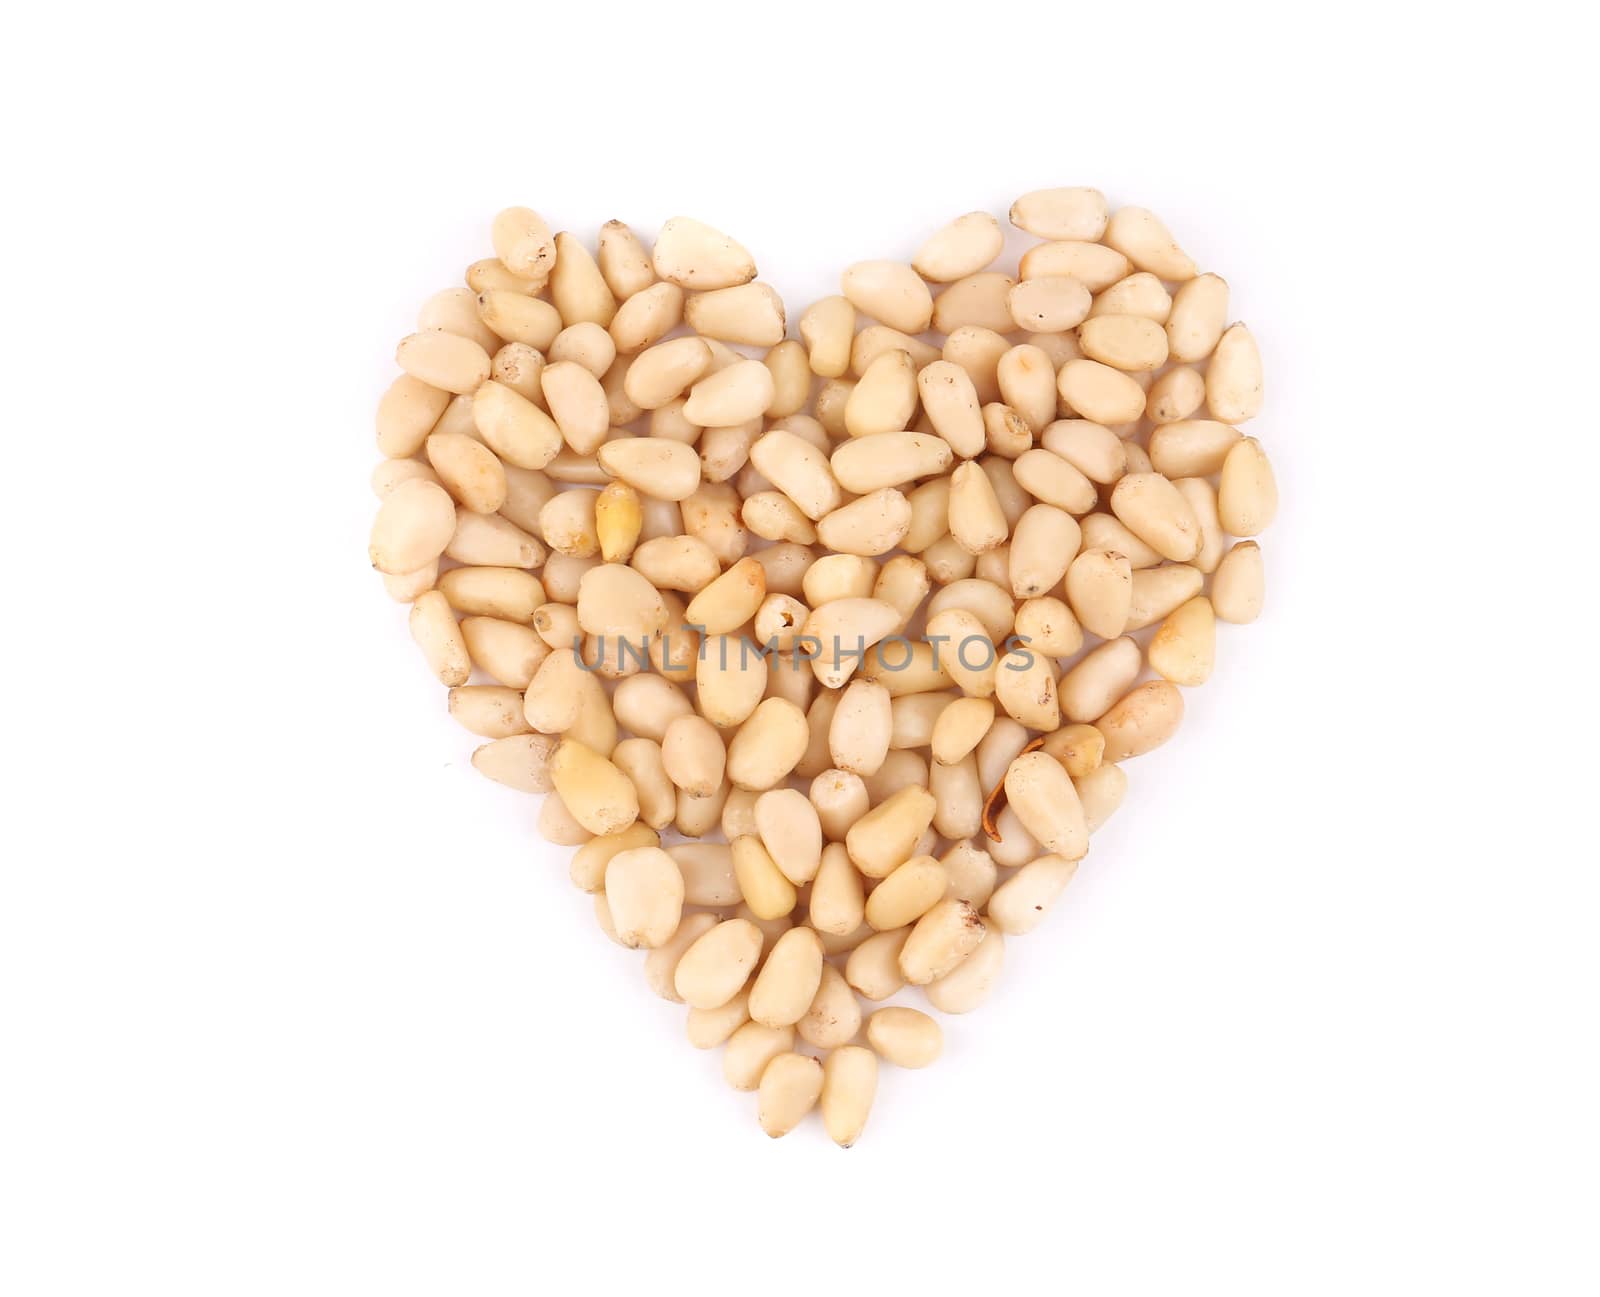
(849, 1084)
(589, 861)
(522, 242)
(1093, 265)
(1103, 675)
(833, 1017)
(1247, 500)
(905, 1037)
(491, 541)
(505, 592)
(873, 968)
(1025, 685)
(1047, 626)
(623, 260)
(708, 1028)
(1141, 720)
(766, 891)
(1039, 790)
(1158, 514)
(963, 247)
(751, 314)
(600, 797)
(661, 964)
(1238, 588)
(979, 301)
(1233, 378)
(1137, 294)
(840, 797)
(693, 255)
(1099, 393)
(1021, 902)
(969, 983)
(1095, 451)
(514, 427)
(517, 317)
(1101, 791)
(1048, 304)
(1141, 237)
(492, 711)
(889, 292)
(788, 980)
(414, 525)
(941, 939)
(504, 650)
(883, 839)
(643, 889)
(1184, 650)
(768, 744)
(828, 328)
(1067, 213)
(790, 1086)
(750, 1049)
(1126, 342)
(406, 415)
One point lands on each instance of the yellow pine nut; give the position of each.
(522, 242)
(588, 869)
(505, 592)
(600, 796)
(975, 301)
(967, 985)
(1040, 792)
(939, 941)
(1048, 304)
(907, 894)
(963, 247)
(1247, 500)
(414, 525)
(884, 838)
(1064, 213)
(790, 1086)
(1141, 237)
(693, 255)
(1141, 721)
(1021, 902)
(1093, 265)
(1184, 649)
(751, 314)
(890, 292)
(644, 892)
(1234, 384)
(661, 964)
(1101, 677)
(1099, 393)
(1025, 686)
(1174, 396)
(1139, 294)
(905, 1037)
(406, 414)
(618, 519)
(577, 287)
(787, 982)
(766, 891)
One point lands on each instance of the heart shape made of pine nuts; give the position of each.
(826, 652)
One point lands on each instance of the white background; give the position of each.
(292, 1001)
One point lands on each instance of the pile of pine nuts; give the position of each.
(826, 652)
